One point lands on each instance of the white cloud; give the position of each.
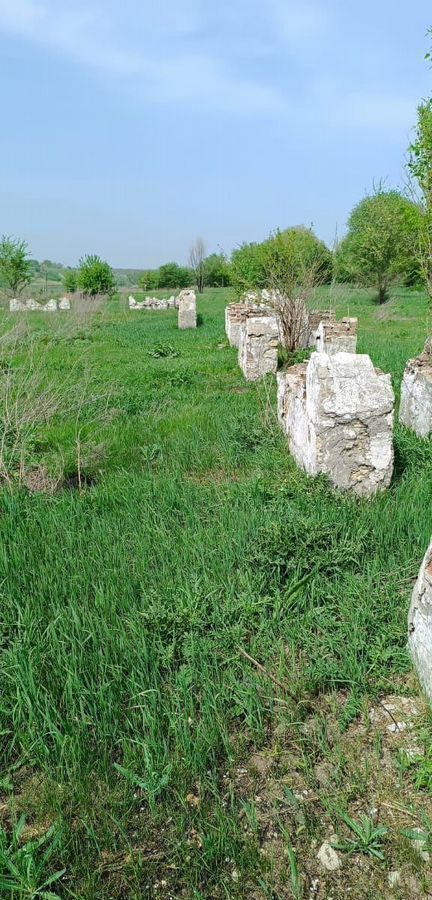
(84, 34)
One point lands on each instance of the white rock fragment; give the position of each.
(420, 624)
(328, 857)
(187, 312)
(337, 413)
(258, 346)
(235, 315)
(394, 878)
(153, 303)
(416, 393)
(31, 305)
(337, 337)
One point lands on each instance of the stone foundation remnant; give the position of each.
(337, 337)
(416, 393)
(258, 345)
(236, 314)
(187, 313)
(153, 303)
(314, 319)
(420, 624)
(337, 413)
(34, 306)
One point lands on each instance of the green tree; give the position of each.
(383, 234)
(95, 276)
(15, 264)
(171, 275)
(300, 253)
(149, 280)
(217, 271)
(70, 281)
(247, 267)
(420, 170)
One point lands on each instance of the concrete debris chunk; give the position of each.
(187, 313)
(258, 346)
(416, 393)
(337, 413)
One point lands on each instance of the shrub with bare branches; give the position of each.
(294, 268)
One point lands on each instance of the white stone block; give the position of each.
(337, 413)
(337, 337)
(420, 624)
(416, 394)
(258, 346)
(187, 313)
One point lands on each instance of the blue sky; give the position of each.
(130, 128)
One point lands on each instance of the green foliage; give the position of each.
(171, 275)
(217, 271)
(420, 169)
(149, 280)
(95, 276)
(163, 350)
(368, 836)
(15, 265)
(381, 243)
(70, 281)
(295, 256)
(247, 267)
(291, 254)
(24, 865)
(420, 162)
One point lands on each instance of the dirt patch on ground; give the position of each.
(297, 794)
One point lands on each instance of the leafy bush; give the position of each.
(70, 281)
(15, 265)
(95, 276)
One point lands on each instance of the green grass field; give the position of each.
(167, 762)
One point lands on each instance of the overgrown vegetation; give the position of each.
(194, 634)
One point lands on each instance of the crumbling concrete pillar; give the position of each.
(337, 337)
(416, 393)
(314, 319)
(187, 313)
(236, 314)
(258, 345)
(420, 624)
(337, 413)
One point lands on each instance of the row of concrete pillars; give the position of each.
(337, 413)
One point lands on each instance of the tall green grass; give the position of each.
(125, 607)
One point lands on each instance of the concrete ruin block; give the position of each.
(314, 319)
(64, 303)
(153, 303)
(337, 337)
(337, 413)
(31, 305)
(258, 346)
(187, 313)
(420, 624)
(235, 315)
(416, 393)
